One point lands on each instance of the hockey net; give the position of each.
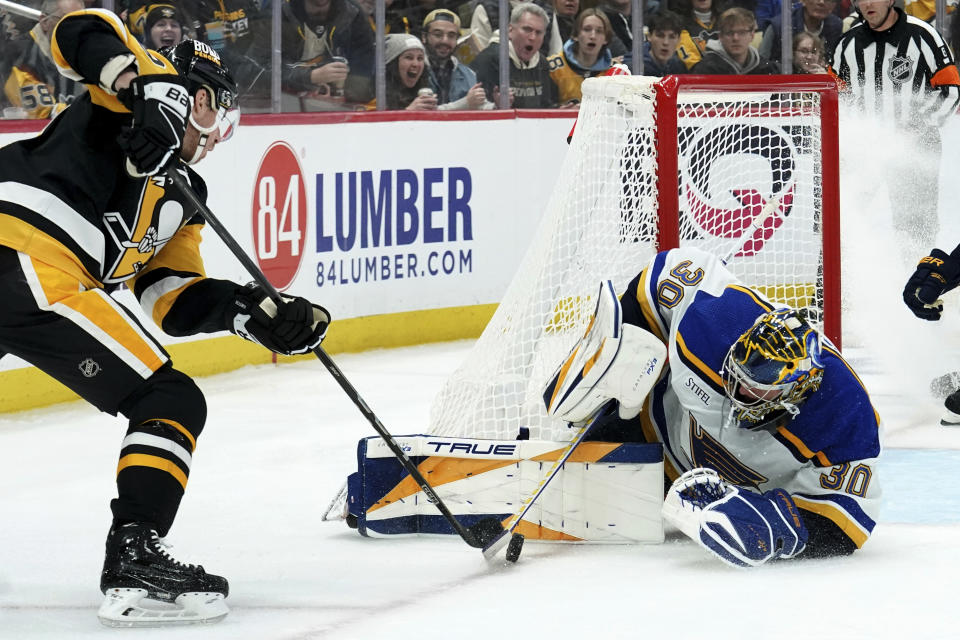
(746, 170)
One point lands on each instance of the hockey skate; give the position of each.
(137, 568)
(951, 411)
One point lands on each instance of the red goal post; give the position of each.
(825, 88)
(745, 167)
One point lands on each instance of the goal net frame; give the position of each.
(668, 90)
(623, 194)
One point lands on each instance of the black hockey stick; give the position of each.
(478, 535)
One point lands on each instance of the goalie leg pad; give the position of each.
(742, 528)
(611, 361)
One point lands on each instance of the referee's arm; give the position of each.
(943, 92)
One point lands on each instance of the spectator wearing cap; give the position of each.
(454, 83)
(162, 27)
(135, 14)
(407, 86)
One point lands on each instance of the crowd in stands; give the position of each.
(440, 54)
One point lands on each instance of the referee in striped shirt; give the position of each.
(899, 69)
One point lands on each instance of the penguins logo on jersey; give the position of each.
(138, 236)
(900, 69)
(735, 174)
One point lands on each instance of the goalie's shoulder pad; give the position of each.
(612, 360)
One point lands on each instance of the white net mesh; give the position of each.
(748, 168)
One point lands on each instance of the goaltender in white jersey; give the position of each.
(768, 434)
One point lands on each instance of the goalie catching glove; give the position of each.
(742, 528)
(296, 326)
(612, 361)
(935, 275)
(160, 104)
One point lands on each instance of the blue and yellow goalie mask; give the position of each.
(772, 368)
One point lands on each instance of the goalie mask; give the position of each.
(772, 368)
(200, 65)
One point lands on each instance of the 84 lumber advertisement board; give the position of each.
(408, 229)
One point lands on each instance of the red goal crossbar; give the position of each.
(668, 91)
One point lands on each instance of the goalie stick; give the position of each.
(510, 538)
(479, 535)
(770, 209)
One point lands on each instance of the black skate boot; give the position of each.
(951, 413)
(138, 566)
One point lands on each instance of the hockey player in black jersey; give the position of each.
(935, 275)
(85, 207)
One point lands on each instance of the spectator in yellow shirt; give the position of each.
(584, 55)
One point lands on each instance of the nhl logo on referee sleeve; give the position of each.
(900, 69)
(89, 368)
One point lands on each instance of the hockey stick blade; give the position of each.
(512, 541)
(486, 532)
(480, 536)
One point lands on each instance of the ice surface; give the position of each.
(280, 441)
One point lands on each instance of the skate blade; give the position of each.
(122, 608)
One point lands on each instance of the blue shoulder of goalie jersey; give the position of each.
(690, 294)
(838, 423)
(684, 282)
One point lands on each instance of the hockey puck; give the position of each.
(513, 549)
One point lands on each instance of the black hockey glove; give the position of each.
(160, 106)
(935, 275)
(297, 326)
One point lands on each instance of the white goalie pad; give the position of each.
(126, 608)
(606, 493)
(612, 360)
